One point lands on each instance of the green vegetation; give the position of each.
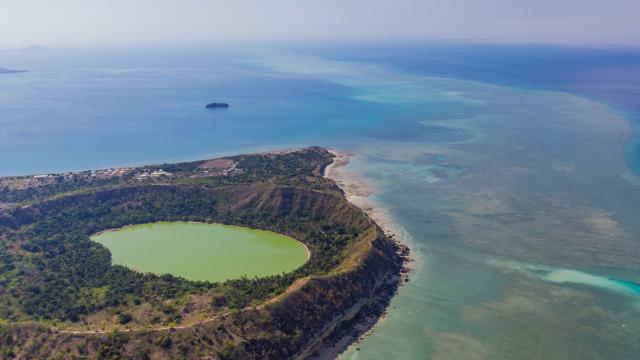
(52, 274)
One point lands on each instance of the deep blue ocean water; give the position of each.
(92, 107)
(507, 169)
(98, 108)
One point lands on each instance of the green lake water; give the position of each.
(205, 252)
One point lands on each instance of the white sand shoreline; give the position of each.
(357, 192)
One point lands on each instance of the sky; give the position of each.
(82, 22)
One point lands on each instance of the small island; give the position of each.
(215, 105)
(9, 71)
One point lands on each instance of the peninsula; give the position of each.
(62, 296)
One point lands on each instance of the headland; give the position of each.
(75, 302)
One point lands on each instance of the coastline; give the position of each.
(366, 315)
(357, 191)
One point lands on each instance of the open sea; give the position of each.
(512, 172)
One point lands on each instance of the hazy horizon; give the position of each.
(78, 23)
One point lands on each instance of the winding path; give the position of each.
(298, 284)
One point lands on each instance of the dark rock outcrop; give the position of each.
(216, 105)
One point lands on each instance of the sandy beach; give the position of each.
(358, 192)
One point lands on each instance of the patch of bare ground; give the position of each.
(217, 164)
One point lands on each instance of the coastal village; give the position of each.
(209, 168)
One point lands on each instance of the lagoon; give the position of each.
(203, 252)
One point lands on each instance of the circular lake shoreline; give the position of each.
(200, 251)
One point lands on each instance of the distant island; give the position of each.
(215, 105)
(9, 71)
(34, 49)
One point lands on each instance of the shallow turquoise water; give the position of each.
(517, 201)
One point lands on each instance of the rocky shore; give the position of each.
(362, 319)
